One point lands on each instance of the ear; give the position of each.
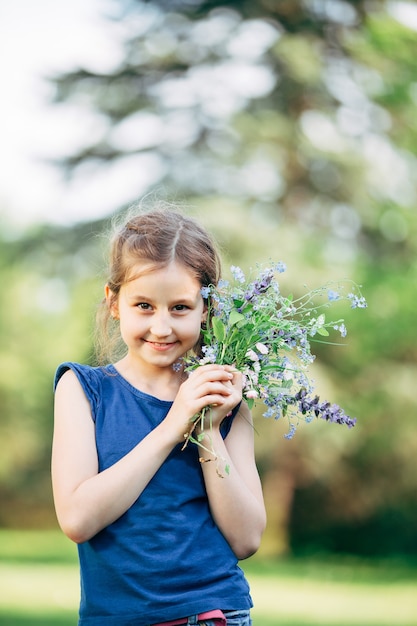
(112, 302)
(204, 314)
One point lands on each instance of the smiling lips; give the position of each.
(161, 347)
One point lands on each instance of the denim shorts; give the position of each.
(233, 618)
(238, 618)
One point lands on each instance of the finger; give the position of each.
(215, 388)
(237, 377)
(213, 368)
(217, 374)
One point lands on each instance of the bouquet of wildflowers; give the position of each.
(266, 336)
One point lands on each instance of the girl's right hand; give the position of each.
(209, 385)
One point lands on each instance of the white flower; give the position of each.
(251, 354)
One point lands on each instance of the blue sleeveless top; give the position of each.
(165, 557)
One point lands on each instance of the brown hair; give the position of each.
(157, 237)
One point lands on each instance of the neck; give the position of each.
(162, 383)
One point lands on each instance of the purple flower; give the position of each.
(324, 410)
(259, 286)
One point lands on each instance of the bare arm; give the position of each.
(87, 500)
(236, 499)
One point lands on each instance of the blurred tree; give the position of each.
(286, 106)
(290, 127)
(48, 278)
(290, 113)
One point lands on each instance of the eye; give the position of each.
(180, 307)
(144, 306)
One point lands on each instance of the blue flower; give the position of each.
(237, 274)
(205, 292)
(290, 434)
(341, 328)
(357, 302)
(266, 336)
(178, 365)
(210, 354)
(333, 295)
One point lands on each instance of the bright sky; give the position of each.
(37, 39)
(42, 37)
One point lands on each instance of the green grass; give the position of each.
(39, 587)
(335, 591)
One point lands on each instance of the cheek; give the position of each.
(129, 322)
(194, 326)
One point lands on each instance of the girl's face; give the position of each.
(160, 313)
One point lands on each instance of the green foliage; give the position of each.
(316, 167)
(46, 317)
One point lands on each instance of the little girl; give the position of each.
(160, 527)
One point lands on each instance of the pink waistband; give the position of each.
(216, 615)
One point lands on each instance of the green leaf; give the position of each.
(323, 332)
(219, 329)
(235, 317)
(207, 336)
(250, 402)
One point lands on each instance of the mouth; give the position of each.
(161, 347)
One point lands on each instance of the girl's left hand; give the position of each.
(218, 412)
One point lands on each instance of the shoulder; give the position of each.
(65, 367)
(81, 371)
(71, 377)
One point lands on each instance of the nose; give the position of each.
(161, 325)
